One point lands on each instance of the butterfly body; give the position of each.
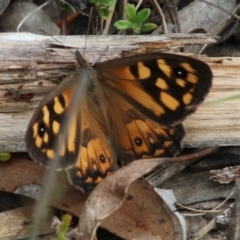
(127, 109)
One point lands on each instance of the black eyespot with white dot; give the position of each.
(41, 129)
(138, 141)
(180, 72)
(102, 158)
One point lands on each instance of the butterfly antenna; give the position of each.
(40, 30)
(89, 21)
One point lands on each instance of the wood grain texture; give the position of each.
(34, 64)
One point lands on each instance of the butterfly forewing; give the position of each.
(164, 87)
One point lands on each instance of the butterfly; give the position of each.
(124, 109)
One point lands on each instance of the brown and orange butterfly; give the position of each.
(128, 108)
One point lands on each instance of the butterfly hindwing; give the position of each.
(135, 137)
(95, 162)
(96, 158)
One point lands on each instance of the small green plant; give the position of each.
(66, 7)
(63, 227)
(135, 20)
(103, 7)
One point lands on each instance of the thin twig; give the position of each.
(28, 15)
(194, 209)
(89, 21)
(204, 230)
(164, 25)
(214, 210)
(50, 182)
(139, 4)
(109, 20)
(174, 14)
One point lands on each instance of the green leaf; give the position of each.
(65, 7)
(104, 13)
(131, 12)
(103, 7)
(136, 28)
(122, 24)
(4, 157)
(103, 3)
(108, 3)
(148, 27)
(142, 15)
(136, 31)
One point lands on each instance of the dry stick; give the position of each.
(209, 226)
(124, 17)
(89, 21)
(216, 209)
(139, 3)
(204, 230)
(229, 196)
(50, 176)
(164, 25)
(28, 15)
(124, 2)
(101, 25)
(63, 29)
(174, 14)
(194, 209)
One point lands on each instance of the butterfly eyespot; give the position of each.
(41, 129)
(102, 158)
(138, 141)
(180, 72)
(129, 197)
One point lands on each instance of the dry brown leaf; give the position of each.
(143, 212)
(115, 191)
(24, 173)
(202, 15)
(147, 235)
(14, 224)
(20, 172)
